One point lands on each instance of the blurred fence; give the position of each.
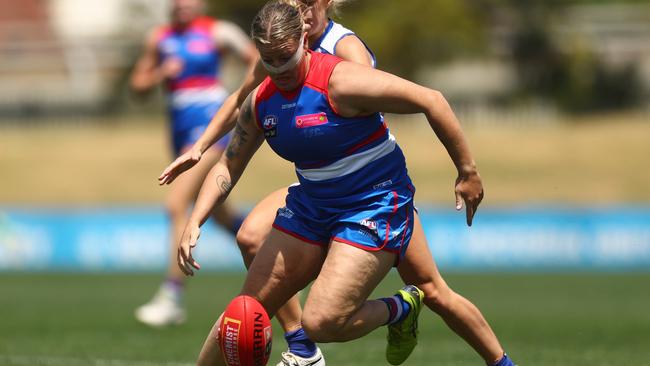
(73, 56)
(136, 239)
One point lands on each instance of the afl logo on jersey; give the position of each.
(270, 126)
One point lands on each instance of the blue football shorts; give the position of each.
(377, 220)
(189, 123)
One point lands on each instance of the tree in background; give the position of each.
(574, 77)
(403, 34)
(407, 35)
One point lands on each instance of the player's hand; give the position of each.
(184, 162)
(171, 67)
(469, 189)
(188, 242)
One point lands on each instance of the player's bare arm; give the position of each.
(145, 74)
(371, 91)
(229, 37)
(217, 185)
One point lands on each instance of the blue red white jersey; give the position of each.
(334, 156)
(195, 46)
(331, 37)
(195, 95)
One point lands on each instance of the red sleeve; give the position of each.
(321, 68)
(264, 93)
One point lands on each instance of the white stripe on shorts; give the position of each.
(198, 96)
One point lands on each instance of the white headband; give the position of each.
(293, 61)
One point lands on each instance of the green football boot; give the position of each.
(403, 336)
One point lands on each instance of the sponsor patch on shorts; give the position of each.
(382, 184)
(285, 212)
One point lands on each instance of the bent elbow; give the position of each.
(437, 102)
(436, 97)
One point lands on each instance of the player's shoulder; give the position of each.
(158, 33)
(346, 75)
(205, 22)
(351, 48)
(320, 69)
(264, 91)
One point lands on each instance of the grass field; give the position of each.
(542, 319)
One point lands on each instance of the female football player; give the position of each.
(417, 267)
(342, 153)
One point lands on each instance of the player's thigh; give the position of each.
(418, 267)
(348, 276)
(258, 223)
(283, 266)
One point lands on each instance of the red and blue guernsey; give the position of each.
(354, 187)
(196, 94)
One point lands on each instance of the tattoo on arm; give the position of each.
(240, 136)
(224, 184)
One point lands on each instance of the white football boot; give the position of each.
(289, 359)
(163, 309)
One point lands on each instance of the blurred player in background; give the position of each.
(185, 56)
(417, 267)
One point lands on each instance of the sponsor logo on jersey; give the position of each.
(310, 120)
(290, 105)
(199, 46)
(270, 126)
(312, 132)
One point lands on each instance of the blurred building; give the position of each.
(589, 41)
(73, 55)
(62, 55)
(618, 33)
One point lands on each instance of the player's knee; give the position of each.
(322, 327)
(176, 209)
(437, 298)
(249, 240)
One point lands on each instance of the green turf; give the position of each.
(541, 319)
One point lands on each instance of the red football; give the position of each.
(245, 333)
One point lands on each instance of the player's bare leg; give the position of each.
(252, 234)
(418, 268)
(284, 266)
(210, 352)
(179, 200)
(337, 308)
(166, 306)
